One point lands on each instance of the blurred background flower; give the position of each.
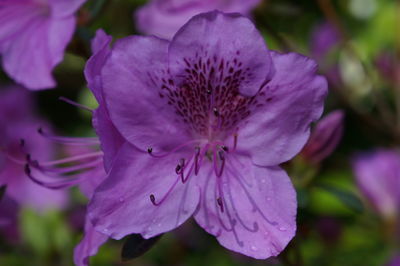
(163, 18)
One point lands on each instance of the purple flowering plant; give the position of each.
(191, 118)
(206, 129)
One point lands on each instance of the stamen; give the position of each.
(231, 220)
(75, 104)
(153, 198)
(150, 149)
(221, 221)
(255, 224)
(22, 142)
(73, 158)
(70, 140)
(178, 169)
(253, 203)
(65, 170)
(221, 157)
(51, 185)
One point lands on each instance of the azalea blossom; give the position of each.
(378, 176)
(111, 141)
(325, 40)
(207, 118)
(324, 138)
(91, 163)
(163, 18)
(18, 137)
(33, 38)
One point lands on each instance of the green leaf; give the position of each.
(135, 246)
(346, 197)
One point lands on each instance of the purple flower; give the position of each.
(33, 37)
(208, 117)
(111, 141)
(18, 137)
(163, 18)
(324, 138)
(324, 40)
(378, 176)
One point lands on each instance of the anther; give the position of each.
(28, 157)
(178, 169)
(220, 203)
(40, 130)
(225, 148)
(150, 150)
(208, 91)
(153, 200)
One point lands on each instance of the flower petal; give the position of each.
(325, 137)
(278, 129)
(41, 43)
(111, 140)
(89, 245)
(121, 205)
(164, 18)
(229, 42)
(101, 50)
(63, 8)
(259, 208)
(378, 177)
(131, 84)
(91, 180)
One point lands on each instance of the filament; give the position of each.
(71, 102)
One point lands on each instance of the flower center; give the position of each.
(207, 98)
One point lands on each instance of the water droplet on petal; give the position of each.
(282, 228)
(159, 225)
(121, 199)
(105, 230)
(268, 199)
(254, 248)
